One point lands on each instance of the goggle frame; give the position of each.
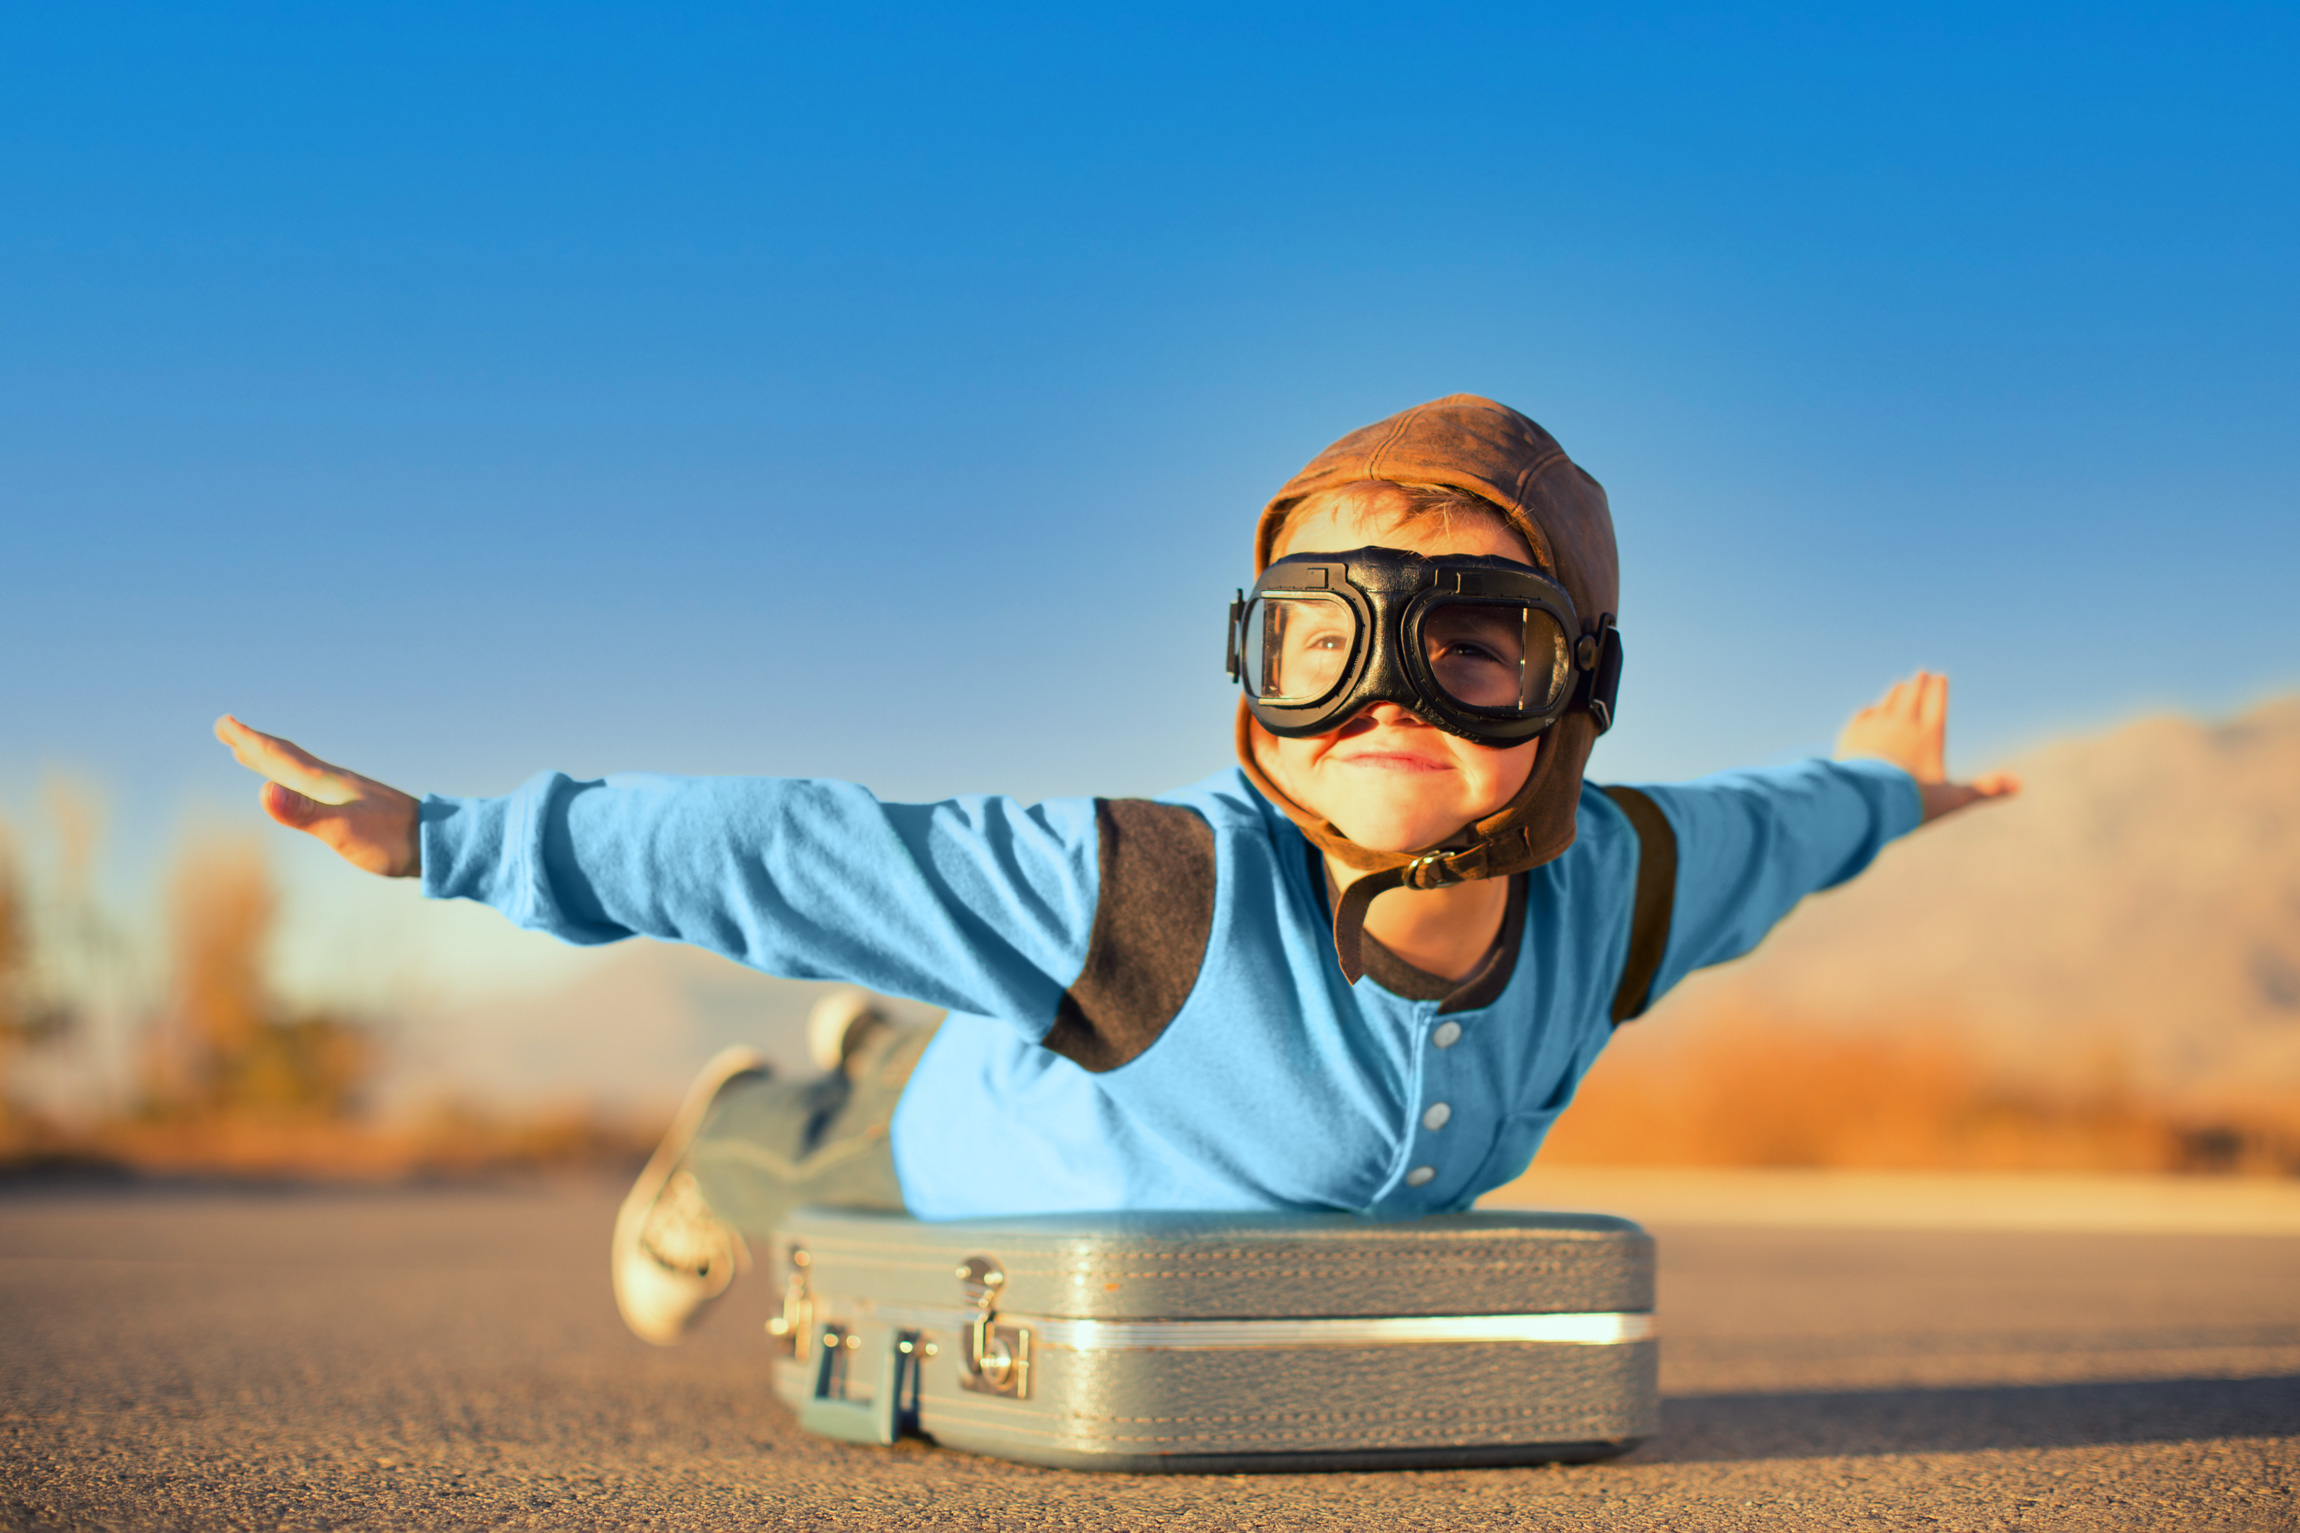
(1390, 593)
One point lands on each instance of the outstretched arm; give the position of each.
(981, 905)
(1750, 845)
(369, 825)
(1908, 727)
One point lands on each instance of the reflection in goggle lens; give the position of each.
(1297, 647)
(1496, 654)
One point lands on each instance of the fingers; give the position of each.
(369, 824)
(1931, 702)
(286, 763)
(1930, 717)
(1908, 727)
(380, 836)
(1921, 698)
(291, 808)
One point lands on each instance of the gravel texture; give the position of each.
(451, 1359)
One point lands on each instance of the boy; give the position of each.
(1363, 969)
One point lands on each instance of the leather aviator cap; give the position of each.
(1465, 442)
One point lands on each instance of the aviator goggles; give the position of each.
(1485, 648)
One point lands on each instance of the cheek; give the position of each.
(1293, 766)
(1499, 773)
(1269, 751)
(1288, 759)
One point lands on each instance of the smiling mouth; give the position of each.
(1392, 761)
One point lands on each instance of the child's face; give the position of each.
(1385, 779)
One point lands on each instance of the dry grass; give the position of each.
(1742, 1090)
(447, 1144)
(234, 1083)
(223, 1046)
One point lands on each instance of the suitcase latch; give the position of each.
(995, 1359)
(892, 1410)
(791, 1329)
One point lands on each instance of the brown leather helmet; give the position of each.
(1467, 443)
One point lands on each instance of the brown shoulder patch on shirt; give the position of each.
(1651, 906)
(1153, 918)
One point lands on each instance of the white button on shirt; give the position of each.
(1420, 1175)
(1435, 1118)
(1447, 1035)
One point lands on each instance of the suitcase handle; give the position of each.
(886, 1415)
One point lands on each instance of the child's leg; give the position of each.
(670, 1256)
(771, 1147)
(747, 1150)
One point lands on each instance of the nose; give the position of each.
(1384, 715)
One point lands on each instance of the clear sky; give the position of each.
(887, 392)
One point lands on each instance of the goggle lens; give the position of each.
(1497, 655)
(1297, 648)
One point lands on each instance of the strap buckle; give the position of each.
(1432, 870)
(1598, 657)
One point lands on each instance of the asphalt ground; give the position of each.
(451, 1359)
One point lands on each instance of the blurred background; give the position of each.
(886, 394)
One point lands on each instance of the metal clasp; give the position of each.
(892, 1409)
(996, 1357)
(791, 1329)
(1429, 871)
(1598, 657)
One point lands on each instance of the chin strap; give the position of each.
(1350, 918)
(1432, 870)
(1498, 845)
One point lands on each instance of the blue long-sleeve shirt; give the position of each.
(1087, 1064)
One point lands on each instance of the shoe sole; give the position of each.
(631, 1218)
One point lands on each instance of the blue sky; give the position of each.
(887, 393)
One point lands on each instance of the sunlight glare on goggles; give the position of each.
(1486, 648)
(1496, 654)
(1298, 647)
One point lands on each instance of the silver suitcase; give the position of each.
(1223, 1342)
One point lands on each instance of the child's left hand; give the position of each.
(1908, 726)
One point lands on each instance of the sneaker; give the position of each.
(842, 1023)
(671, 1255)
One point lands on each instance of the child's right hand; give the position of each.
(369, 825)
